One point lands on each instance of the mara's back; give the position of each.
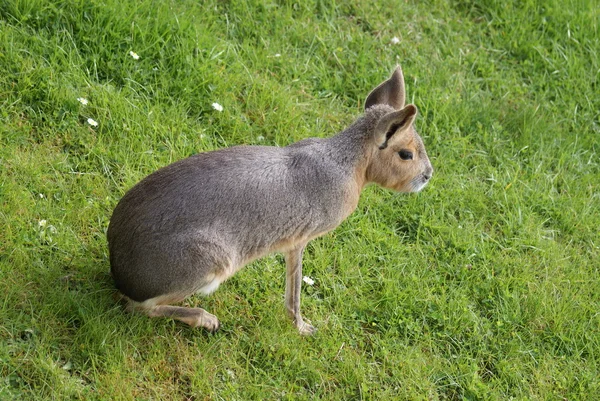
(243, 202)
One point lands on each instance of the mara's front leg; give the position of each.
(293, 283)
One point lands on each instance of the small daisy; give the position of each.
(134, 55)
(277, 55)
(42, 223)
(308, 280)
(82, 100)
(395, 40)
(92, 122)
(217, 107)
(260, 138)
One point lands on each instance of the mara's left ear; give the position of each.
(390, 92)
(393, 122)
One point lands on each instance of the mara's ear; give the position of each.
(393, 122)
(390, 92)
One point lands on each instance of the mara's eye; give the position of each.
(405, 154)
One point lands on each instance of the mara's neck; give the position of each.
(352, 148)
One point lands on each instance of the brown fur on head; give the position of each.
(398, 159)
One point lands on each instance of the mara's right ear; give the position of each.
(390, 92)
(393, 122)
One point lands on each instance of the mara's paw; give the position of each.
(208, 321)
(306, 329)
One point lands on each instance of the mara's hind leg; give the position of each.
(199, 266)
(157, 307)
(195, 317)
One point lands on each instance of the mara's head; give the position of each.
(398, 159)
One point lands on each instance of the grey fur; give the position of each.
(192, 224)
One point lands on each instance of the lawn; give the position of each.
(484, 286)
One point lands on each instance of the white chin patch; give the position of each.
(417, 186)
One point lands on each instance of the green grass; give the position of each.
(485, 286)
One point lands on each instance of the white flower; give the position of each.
(308, 280)
(395, 40)
(92, 122)
(260, 138)
(41, 196)
(42, 223)
(277, 55)
(217, 107)
(82, 100)
(134, 55)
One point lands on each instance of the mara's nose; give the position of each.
(428, 173)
